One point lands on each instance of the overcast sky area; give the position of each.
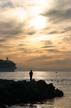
(36, 34)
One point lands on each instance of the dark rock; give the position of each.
(2, 106)
(58, 93)
(12, 92)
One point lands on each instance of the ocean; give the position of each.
(61, 80)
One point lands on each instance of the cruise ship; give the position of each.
(7, 65)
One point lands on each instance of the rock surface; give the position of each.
(14, 92)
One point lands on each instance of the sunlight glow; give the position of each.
(20, 14)
(38, 22)
(37, 39)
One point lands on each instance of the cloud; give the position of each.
(58, 15)
(61, 65)
(10, 28)
(47, 44)
(2, 39)
(53, 32)
(54, 50)
(67, 39)
(67, 29)
(60, 12)
(24, 49)
(51, 63)
(43, 49)
(6, 4)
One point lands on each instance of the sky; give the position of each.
(36, 34)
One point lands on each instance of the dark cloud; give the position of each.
(51, 63)
(66, 52)
(31, 32)
(47, 42)
(67, 29)
(61, 11)
(10, 28)
(40, 58)
(47, 46)
(6, 4)
(39, 62)
(54, 50)
(2, 40)
(5, 46)
(21, 45)
(24, 49)
(57, 15)
(60, 65)
(67, 39)
(63, 61)
(62, 4)
(53, 32)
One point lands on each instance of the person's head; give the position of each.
(31, 70)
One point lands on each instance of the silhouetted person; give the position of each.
(31, 74)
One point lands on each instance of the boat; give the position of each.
(7, 65)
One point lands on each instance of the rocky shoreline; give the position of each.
(16, 92)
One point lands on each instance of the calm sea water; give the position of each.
(61, 80)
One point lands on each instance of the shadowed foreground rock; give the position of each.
(15, 92)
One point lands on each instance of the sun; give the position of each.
(38, 22)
